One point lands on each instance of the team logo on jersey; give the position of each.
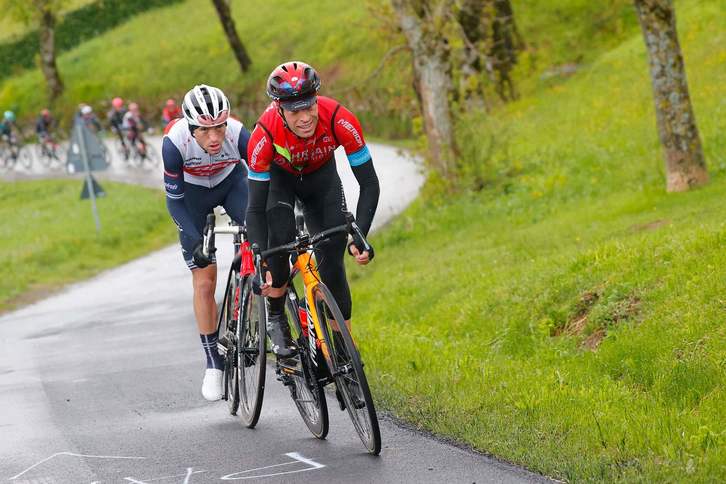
(258, 147)
(349, 127)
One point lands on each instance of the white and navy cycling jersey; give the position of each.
(183, 156)
(189, 171)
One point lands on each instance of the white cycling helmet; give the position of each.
(86, 109)
(205, 106)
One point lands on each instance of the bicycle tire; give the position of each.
(227, 340)
(251, 355)
(152, 156)
(42, 155)
(121, 150)
(306, 391)
(347, 369)
(25, 157)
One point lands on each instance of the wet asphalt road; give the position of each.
(100, 383)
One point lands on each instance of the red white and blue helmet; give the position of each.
(294, 85)
(205, 106)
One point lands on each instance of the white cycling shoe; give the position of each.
(212, 385)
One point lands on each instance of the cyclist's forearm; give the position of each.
(182, 219)
(256, 213)
(369, 193)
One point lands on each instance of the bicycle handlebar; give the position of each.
(210, 230)
(208, 241)
(305, 241)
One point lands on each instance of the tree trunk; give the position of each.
(506, 42)
(685, 165)
(47, 50)
(431, 69)
(491, 43)
(225, 16)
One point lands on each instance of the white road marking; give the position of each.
(237, 476)
(74, 455)
(310, 462)
(189, 473)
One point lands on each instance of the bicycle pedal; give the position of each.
(285, 379)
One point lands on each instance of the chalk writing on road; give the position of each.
(259, 472)
(82, 456)
(298, 463)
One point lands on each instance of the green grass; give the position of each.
(188, 51)
(11, 27)
(568, 316)
(48, 236)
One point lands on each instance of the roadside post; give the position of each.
(85, 153)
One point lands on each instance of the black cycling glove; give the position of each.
(201, 260)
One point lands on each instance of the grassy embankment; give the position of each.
(570, 316)
(162, 53)
(11, 27)
(48, 237)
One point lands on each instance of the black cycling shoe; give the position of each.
(279, 331)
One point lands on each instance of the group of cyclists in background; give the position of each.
(124, 122)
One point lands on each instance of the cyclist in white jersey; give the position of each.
(204, 157)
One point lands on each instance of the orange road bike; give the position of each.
(327, 352)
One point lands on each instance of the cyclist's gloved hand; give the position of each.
(201, 260)
(357, 248)
(257, 288)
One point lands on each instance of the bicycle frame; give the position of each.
(305, 265)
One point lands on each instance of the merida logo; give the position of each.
(347, 125)
(258, 148)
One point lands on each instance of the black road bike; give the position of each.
(240, 328)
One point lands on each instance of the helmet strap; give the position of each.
(282, 115)
(284, 121)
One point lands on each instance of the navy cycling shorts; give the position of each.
(200, 202)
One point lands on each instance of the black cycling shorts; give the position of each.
(321, 194)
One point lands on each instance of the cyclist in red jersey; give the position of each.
(290, 155)
(170, 112)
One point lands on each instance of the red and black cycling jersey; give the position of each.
(272, 142)
(278, 159)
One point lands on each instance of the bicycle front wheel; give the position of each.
(251, 356)
(229, 313)
(307, 392)
(152, 156)
(347, 369)
(25, 157)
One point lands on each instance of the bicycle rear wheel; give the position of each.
(229, 313)
(347, 369)
(306, 391)
(42, 154)
(251, 356)
(152, 156)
